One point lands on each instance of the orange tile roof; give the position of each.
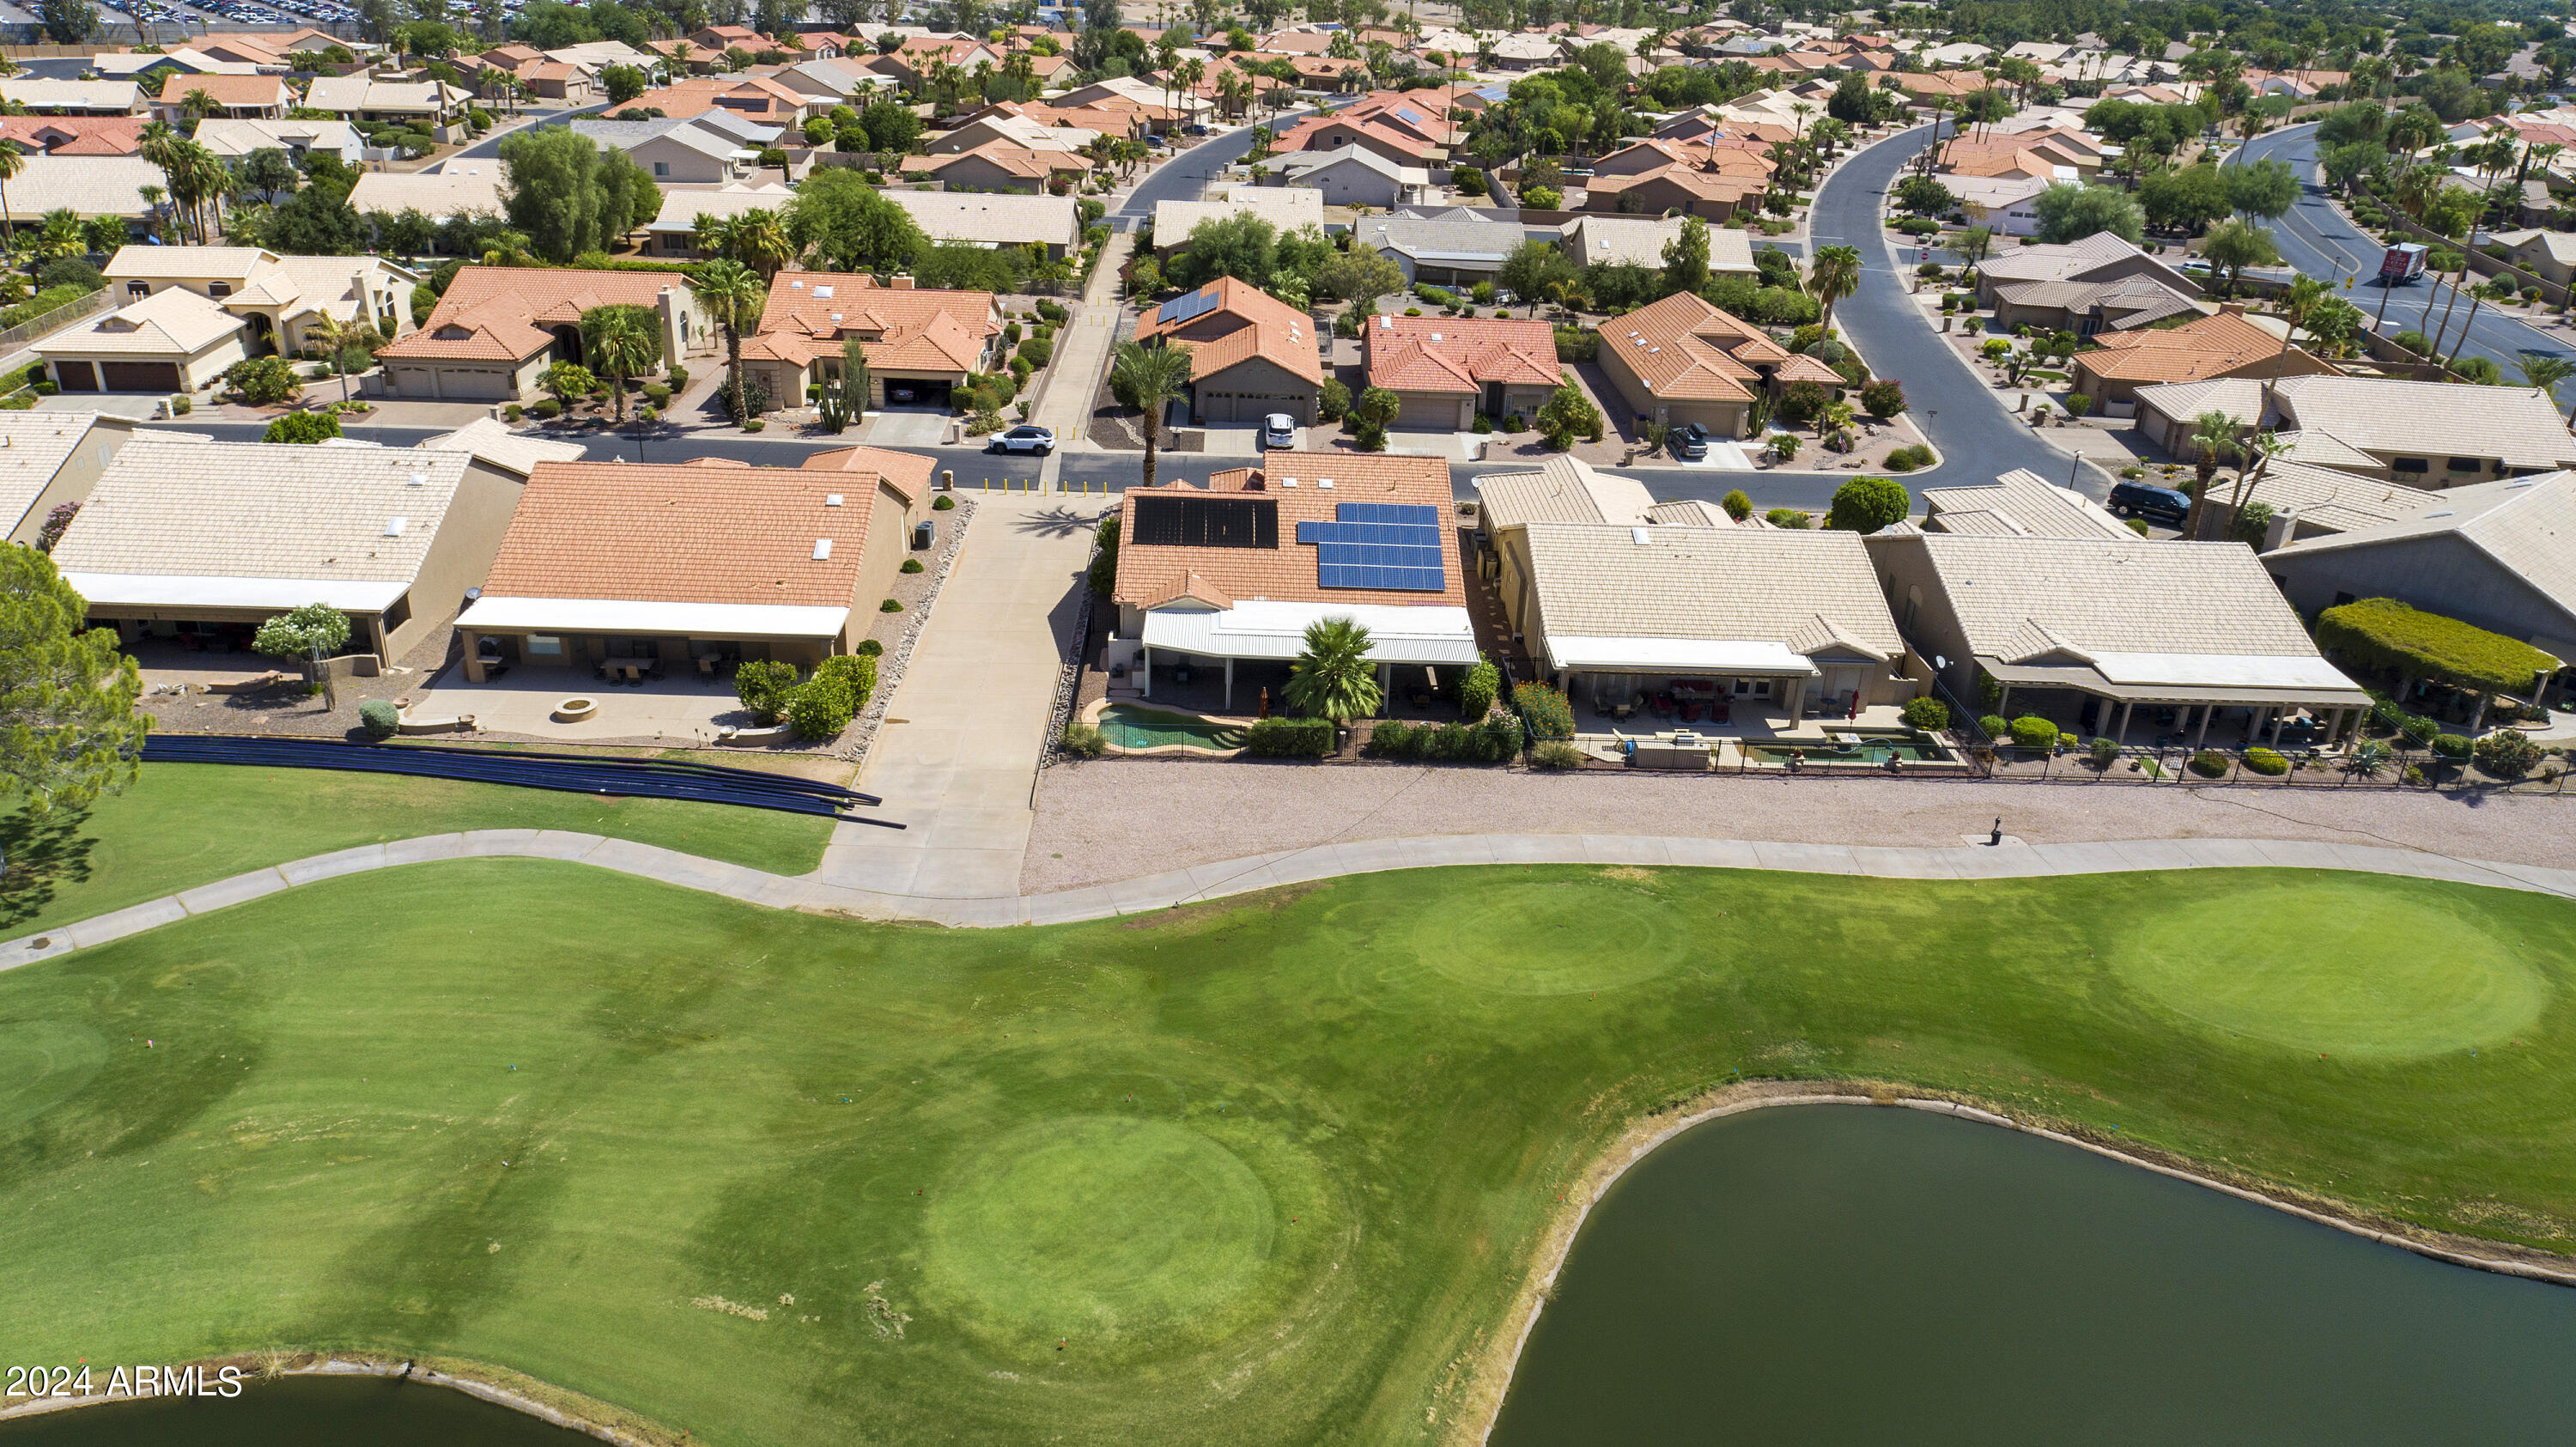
(720, 533)
(503, 313)
(2214, 346)
(1152, 575)
(1710, 185)
(1682, 347)
(1263, 326)
(809, 312)
(227, 90)
(1454, 354)
(1018, 160)
(75, 135)
(907, 472)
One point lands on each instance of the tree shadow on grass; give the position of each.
(42, 855)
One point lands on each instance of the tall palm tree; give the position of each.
(2545, 370)
(198, 104)
(334, 336)
(734, 297)
(621, 342)
(2295, 303)
(1332, 677)
(2213, 436)
(1154, 376)
(1833, 275)
(757, 240)
(12, 161)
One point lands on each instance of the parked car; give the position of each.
(1040, 440)
(2138, 499)
(1690, 442)
(1278, 430)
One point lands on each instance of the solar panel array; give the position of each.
(1188, 308)
(1391, 546)
(1207, 522)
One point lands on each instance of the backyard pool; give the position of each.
(1864, 749)
(1126, 726)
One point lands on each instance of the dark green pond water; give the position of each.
(1851, 1275)
(299, 1412)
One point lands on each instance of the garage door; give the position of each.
(1429, 409)
(141, 376)
(76, 376)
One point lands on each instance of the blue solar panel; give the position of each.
(1393, 547)
(1188, 308)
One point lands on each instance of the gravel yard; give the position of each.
(1117, 818)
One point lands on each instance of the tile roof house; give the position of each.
(2088, 307)
(1636, 241)
(491, 442)
(2224, 345)
(84, 185)
(2311, 501)
(1049, 221)
(1353, 176)
(280, 297)
(75, 135)
(1448, 246)
(1001, 167)
(920, 344)
(2084, 630)
(2500, 555)
(1681, 360)
(1286, 208)
(1766, 621)
(1010, 123)
(2419, 433)
(1251, 354)
(2020, 504)
(364, 98)
(1232, 574)
(2099, 257)
(696, 566)
(498, 328)
(246, 96)
(2549, 255)
(75, 97)
(171, 341)
(50, 458)
(459, 187)
(673, 232)
(298, 139)
(1687, 187)
(1334, 131)
(1447, 369)
(203, 537)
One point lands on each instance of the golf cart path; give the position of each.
(1294, 866)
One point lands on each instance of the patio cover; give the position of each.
(1397, 634)
(614, 615)
(112, 591)
(2297, 681)
(1582, 653)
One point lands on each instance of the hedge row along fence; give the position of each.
(2384, 633)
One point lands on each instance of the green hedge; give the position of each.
(1928, 714)
(2033, 732)
(2266, 762)
(2209, 764)
(2384, 633)
(1544, 710)
(1490, 742)
(1290, 738)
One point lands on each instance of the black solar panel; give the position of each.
(1207, 522)
(1390, 546)
(1187, 308)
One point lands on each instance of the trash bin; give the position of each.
(920, 536)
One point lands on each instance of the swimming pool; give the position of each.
(1126, 726)
(1871, 749)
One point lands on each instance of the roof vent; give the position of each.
(1287, 482)
(822, 549)
(1637, 536)
(795, 285)
(2446, 512)
(836, 316)
(394, 526)
(420, 479)
(831, 499)
(1325, 483)
(822, 293)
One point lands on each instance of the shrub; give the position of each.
(2266, 762)
(1037, 351)
(2507, 754)
(821, 707)
(763, 685)
(1332, 400)
(911, 565)
(1866, 504)
(545, 409)
(1784, 445)
(942, 503)
(1907, 459)
(308, 428)
(1543, 710)
(2209, 764)
(854, 672)
(1476, 690)
(2077, 404)
(1738, 506)
(1556, 755)
(1084, 741)
(678, 374)
(378, 718)
(2033, 732)
(889, 606)
(513, 412)
(1788, 517)
(1927, 713)
(754, 425)
(1484, 425)
(2450, 746)
(2384, 633)
(1577, 344)
(181, 404)
(1290, 738)
(1883, 398)
(1995, 726)
(2104, 751)
(264, 381)
(869, 648)
(1803, 402)
(657, 394)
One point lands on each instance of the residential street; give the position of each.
(1977, 436)
(2318, 240)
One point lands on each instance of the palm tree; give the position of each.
(2545, 370)
(756, 239)
(621, 342)
(1153, 376)
(12, 161)
(334, 335)
(2295, 303)
(1332, 677)
(198, 104)
(734, 297)
(2213, 433)
(1834, 274)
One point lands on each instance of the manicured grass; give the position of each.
(182, 825)
(1252, 1174)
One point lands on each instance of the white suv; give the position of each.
(1278, 430)
(1040, 440)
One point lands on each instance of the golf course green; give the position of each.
(1266, 1171)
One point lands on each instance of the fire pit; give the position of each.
(574, 710)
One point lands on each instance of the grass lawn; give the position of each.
(183, 825)
(1260, 1173)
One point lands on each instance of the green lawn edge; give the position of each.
(756, 1158)
(182, 825)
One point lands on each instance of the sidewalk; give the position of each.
(957, 757)
(1082, 356)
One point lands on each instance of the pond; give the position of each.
(298, 1412)
(1869, 749)
(1126, 726)
(1862, 1275)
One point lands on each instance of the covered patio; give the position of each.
(2185, 700)
(1250, 645)
(1750, 688)
(690, 709)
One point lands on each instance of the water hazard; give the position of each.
(298, 1412)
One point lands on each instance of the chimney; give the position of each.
(903, 282)
(2231, 308)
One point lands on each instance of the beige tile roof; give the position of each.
(491, 441)
(2316, 447)
(73, 95)
(2057, 262)
(172, 324)
(1460, 355)
(2332, 500)
(2526, 524)
(260, 510)
(178, 263)
(1286, 207)
(809, 312)
(2238, 397)
(991, 220)
(502, 313)
(2018, 597)
(681, 209)
(1563, 490)
(1640, 241)
(88, 185)
(1696, 512)
(33, 447)
(1286, 574)
(2432, 419)
(1806, 590)
(2021, 503)
(472, 186)
(720, 533)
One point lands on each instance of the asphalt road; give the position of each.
(1186, 174)
(2319, 241)
(1977, 436)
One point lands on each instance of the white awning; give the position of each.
(1397, 633)
(1596, 654)
(108, 592)
(2221, 670)
(615, 615)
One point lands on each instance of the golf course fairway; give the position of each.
(1269, 1171)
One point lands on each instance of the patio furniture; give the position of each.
(1721, 710)
(707, 665)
